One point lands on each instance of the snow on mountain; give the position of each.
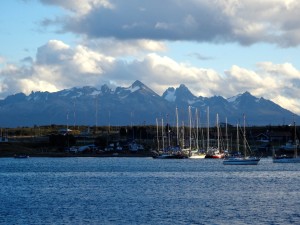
(136, 104)
(234, 98)
(170, 95)
(182, 96)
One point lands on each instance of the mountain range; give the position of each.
(136, 105)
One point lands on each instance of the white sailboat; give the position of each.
(245, 160)
(197, 154)
(167, 153)
(215, 153)
(289, 159)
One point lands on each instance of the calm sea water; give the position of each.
(147, 191)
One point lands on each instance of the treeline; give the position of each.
(140, 132)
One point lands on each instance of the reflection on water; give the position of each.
(147, 191)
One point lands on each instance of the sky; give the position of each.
(214, 47)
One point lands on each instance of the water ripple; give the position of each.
(146, 191)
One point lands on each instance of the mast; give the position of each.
(162, 134)
(74, 113)
(157, 139)
(67, 122)
(168, 130)
(190, 126)
(197, 127)
(218, 132)
(202, 139)
(68, 128)
(237, 138)
(207, 145)
(244, 136)
(182, 134)
(227, 141)
(177, 133)
(295, 140)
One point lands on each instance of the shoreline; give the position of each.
(80, 156)
(8, 150)
(71, 155)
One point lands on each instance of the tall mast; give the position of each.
(168, 130)
(67, 122)
(197, 127)
(182, 134)
(237, 138)
(227, 141)
(295, 140)
(157, 139)
(202, 139)
(162, 134)
(74, 112)
(218, 132)
(190, 126)
(177, 133)
(207, 145)
(244, 136)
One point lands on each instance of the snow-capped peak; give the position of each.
(170, 95)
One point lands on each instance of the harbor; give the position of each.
(143, 141)
(90, 190)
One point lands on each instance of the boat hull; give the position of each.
(215, 156)
(170, 156)
(197, 157)
(241, 161)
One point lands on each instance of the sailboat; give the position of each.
(215, 153)
(289, 159)
(169, 153)
(244, 160)
(197, 154)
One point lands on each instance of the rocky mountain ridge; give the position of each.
(135, 105)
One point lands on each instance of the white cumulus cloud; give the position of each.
(58, 66)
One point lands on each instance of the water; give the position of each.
(147, 191)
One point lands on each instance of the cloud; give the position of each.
(162, 72)
(277, 82)
(119, 48)
(58, 66)
(79, 7)
(246, 22)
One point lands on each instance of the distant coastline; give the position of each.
(135, 141)
(11, 150)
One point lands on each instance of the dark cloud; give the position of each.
(245, 22)
(156, 20)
